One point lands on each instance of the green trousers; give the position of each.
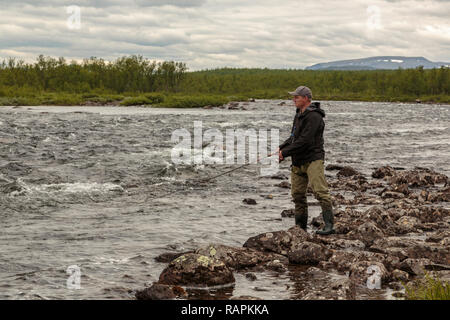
(312, 172)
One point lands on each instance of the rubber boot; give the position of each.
(328, 219)
(301, 220)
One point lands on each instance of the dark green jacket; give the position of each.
(306, 141)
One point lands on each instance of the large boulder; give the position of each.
(194, 269)
(240, 258)
(383, 220)
(280, 242)
(308, 253)
(367, 232)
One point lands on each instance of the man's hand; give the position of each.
(280, 155)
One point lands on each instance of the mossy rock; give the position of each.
(196, 270)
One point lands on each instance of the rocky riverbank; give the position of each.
(391, 228)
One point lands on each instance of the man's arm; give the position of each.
(306, 138)
(285, 143)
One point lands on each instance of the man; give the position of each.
(305, 147)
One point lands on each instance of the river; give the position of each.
(95, 187)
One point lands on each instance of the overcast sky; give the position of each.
(234, 33)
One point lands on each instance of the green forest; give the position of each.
(135, 80)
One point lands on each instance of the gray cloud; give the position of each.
(107, 3)
(236, 33)
(177, 3)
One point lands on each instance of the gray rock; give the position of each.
(276, 265)
(400, 275)
(332, 167)
(196, 270)
(325, 286)
(284, 184)
(361, 271)
(251, 276)
(347, 172)
(309, 253)
(240, 258)
(249, 201)
(415, 267)
(343, 244)
(156, 292)
(407, 222)
(343, 260)
(169, 256)
(288, 213)
(367, 232)
(280, 242)
(392, 194)
(434, 252)
(389, 242)
(382, 172)
(395, 285)
(245, 298)
(279, 176)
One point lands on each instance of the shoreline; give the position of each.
(228, 105)
(403, 236)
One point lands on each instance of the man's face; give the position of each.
(300, 101)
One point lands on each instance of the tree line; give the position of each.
(136, 75)
(125, 74)
(371, 83)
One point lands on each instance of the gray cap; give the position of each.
(302, 91)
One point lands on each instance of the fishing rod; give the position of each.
(229, 171)
(213, 177)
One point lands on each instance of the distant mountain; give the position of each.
(377, 63)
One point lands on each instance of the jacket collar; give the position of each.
(314, 106)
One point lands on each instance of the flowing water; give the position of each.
(95, 187)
